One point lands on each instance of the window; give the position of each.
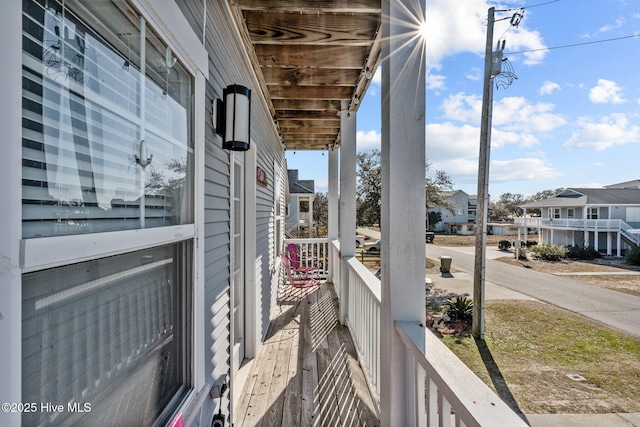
(592, 213)
(106, 123)
(304, 206)
(571, 213)
(107, 147)
(112, 332)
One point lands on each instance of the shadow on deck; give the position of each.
(307, 372)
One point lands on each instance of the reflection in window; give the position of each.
(106, 134)
(113, 333)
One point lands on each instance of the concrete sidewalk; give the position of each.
(444, 286)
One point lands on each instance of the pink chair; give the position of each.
(301, 281)
(294, 261)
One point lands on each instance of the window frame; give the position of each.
(170, 25)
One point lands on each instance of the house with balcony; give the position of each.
(462, 218)
(606, 219)
(143, 186)
(301, 193)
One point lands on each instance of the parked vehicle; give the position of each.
(359, 241)
(373, 246)
(430, 236)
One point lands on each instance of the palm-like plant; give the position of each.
(459, 308)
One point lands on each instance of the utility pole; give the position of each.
(483, 186)
(492, 67)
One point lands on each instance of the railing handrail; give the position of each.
(369, 279)
(456, 382)
(307, 240)
(591, 224)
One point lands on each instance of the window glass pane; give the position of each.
(112, 333)
(105, 146)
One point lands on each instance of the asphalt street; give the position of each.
(613, 308)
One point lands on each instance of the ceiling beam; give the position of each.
(316, 6)
(318, 29)
(344, 57)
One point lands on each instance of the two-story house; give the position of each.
(606, 218)
(301, 193)
(462, 216)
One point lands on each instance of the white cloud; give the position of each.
(548, 88)
(369, 140)
(518, 114)
(377, 76)
(512, 113)
(606, 28)
(447, 141)
(524, 169)
(436, 81)
(611, 131)
(475, 74)
(463, 108)
(606, 92)
(455, 27)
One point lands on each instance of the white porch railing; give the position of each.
(574, 224)
(454, 394)
(599, 225)
(363, 320)
(313, 252)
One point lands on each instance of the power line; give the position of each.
(574, 45)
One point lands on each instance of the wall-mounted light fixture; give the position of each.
(232, 117)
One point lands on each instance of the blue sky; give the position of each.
(571, 119)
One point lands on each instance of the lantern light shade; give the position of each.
(237, 107)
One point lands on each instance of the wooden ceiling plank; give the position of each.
(308, 76)
(316, 6)
(340, 57)
(320, 125)
(306, 115)
(320, 29)
(306, 104)
(334, 93)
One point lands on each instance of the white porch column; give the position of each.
(403, 207)
(332, 199)
(347, 199)
(618, 243)
(311, 197)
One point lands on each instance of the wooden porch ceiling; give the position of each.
(309, 56)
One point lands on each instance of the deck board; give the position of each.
(307, 373)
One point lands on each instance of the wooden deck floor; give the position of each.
(307, 373)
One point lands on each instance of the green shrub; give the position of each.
(549, 252)
(503, 245)
(576, 252)
(520, 253)
(459, 308)
(633, 255)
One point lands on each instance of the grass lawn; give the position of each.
(531, 347)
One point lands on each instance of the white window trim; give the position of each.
(49, 252)
(167, 20)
